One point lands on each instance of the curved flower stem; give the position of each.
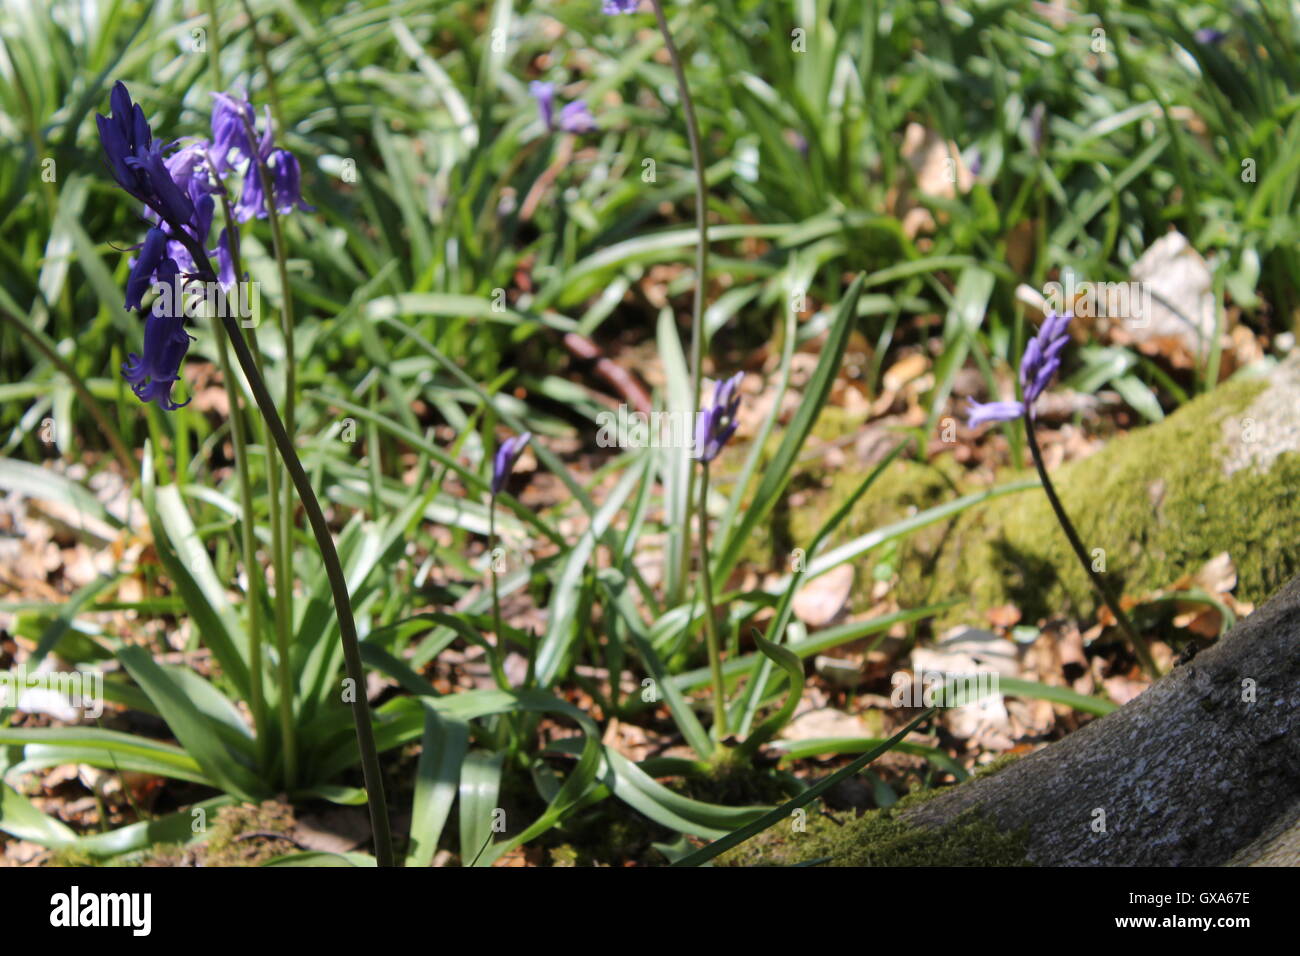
(1139, 643)
(701, 246)
(710, 625)
(377, 802)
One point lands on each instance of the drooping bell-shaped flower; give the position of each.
(137, 161)
(577, 118)
(613, 7)
(544, 94)
(146, 263)
(153, 373)
(232, 117)
(286, 182)
(503, 462)
(981, 413)
(717, 421)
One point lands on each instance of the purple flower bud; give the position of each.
(252, 201)
(286, 182)
(983, 412)
(226, 256)
(503, 462)
(577, 118)
(231, 118)
(145, 265)
(544, 94)
(165, 344)
(717, 421)
(1042, 358)
(614, 7)
(136, 159)
(1208, 36)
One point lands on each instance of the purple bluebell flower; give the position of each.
(146, 263)
(226, 256)
(137, 161)
(503, 462)
(717, 421)
(232, 117)
(613, 7)
(1208, 36)
(1039, 364)
(544, 94)
(189, 168)
(983, 412)
(1042, 358)
(577, 118)
(153, 374)
(286, 182)
(252, 201)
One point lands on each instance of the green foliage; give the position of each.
(455, 243)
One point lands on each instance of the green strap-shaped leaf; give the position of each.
(793, 668)
(778, 471)
(480, 786)
(437, 777)
(19, 818)
(707, 853)
(196, 732)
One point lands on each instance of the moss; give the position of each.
(1158, 503)
(882, 838)
(71, 856)
(248, 834)
(996, 765)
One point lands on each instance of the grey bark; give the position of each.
(1202, 769)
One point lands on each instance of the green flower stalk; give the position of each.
(714, 427)
(1039, 364)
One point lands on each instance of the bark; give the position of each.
(1202, 769)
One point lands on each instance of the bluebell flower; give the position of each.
(983, 412)
(252, 201)
(503, 462)
(153, 374)
(717, 421)
(1209, 36)
(137, 161)
(286, 182)
(613, 7)
(544, 94)
(146, 263)
(577, 118)
(1039, 364)
(226, 257)
(1042, 358)
(232, 118)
